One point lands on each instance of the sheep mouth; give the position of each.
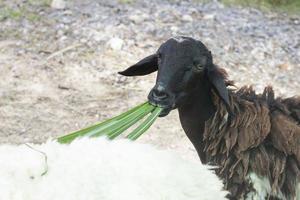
(166, 108)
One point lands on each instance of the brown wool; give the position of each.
(263, 136)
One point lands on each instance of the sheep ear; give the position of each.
(216, 78)
(143, 67)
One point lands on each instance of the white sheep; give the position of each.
(90, 169)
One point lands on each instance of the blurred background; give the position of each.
(59, 58)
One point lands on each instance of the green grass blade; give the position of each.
(70, 137)
(135, 116)
(145, 125)
(105, 130)
(114, 133)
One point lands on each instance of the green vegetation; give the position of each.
(288, 6)
(25, 10)
(115, 126)
(40, 2)
(9, 13)
(126, 1)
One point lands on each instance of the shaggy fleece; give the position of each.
(90, 169)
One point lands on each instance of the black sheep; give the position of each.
(254, 140)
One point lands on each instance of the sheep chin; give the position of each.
(165, 112)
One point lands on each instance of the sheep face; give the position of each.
(180, 63)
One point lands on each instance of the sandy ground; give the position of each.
(59, 72)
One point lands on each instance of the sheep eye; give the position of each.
(198, 67)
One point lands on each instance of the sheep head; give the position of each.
(182, 63)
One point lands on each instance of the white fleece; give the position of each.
(263, 189)
(99, 169)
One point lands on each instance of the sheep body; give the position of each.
(102, 169)
(258, 150)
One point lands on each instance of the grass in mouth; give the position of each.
(115, 126)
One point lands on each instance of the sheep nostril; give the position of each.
(159, 94)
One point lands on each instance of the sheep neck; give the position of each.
(193, 114)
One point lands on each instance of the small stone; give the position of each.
(174, 28)
(68, 12)
(62, 38)
(137, 19)
(98, 36)
(115, 43)
(83, 40)
(209, 16)
(58, 4)
(284, 66)
(60, 32)
(94, 63)
(193, 11)
(187, 18)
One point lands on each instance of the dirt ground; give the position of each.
(58, 68)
